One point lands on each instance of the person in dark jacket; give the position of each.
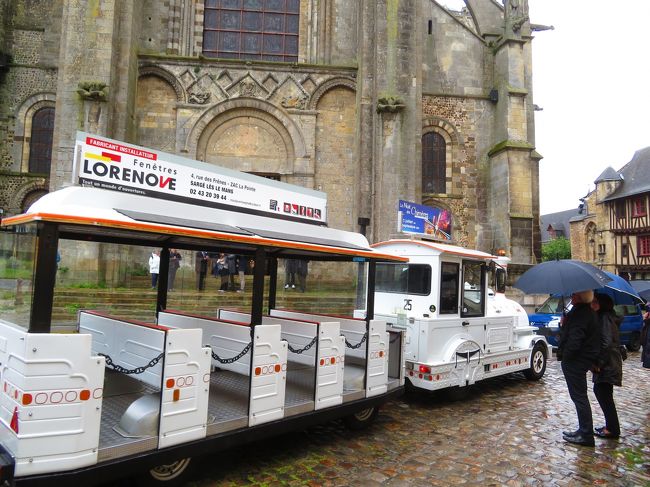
(578, 350)
(645, 338)
(608, 370)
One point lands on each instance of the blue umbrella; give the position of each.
(643, 288)
(561, 277)
(619, 290)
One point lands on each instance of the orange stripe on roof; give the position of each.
(191, 232)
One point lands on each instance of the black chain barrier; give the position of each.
(234, 359)
(349, 345)
(137, 370)
(305, 348)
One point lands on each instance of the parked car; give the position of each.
(547, 319)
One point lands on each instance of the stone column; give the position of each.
(97, 60)
(513, 167)
(390, 104)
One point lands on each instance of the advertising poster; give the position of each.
(424, 220)
(109, 164)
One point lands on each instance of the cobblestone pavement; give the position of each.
(508, 432)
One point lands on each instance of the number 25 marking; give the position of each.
(407, 304)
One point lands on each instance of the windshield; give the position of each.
(554, 305)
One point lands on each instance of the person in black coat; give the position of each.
(645, 338)
(578, 350)
(608, 370)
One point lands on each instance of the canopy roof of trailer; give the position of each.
(101, 213)
(407, 246)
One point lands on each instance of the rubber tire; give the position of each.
(168, 475)
(361, 419)
(634, 345)
(536, 370)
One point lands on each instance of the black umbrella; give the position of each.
(561, 277)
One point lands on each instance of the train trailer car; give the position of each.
(115, 366)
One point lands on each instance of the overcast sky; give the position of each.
(591, 77)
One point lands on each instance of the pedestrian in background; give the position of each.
(221, 269)
(174, 263)
(290, 266)
(302, 268)
(578, 350)
(154, 267)
(231, 262)
(201, 260)
(645, 337)
(608, 370)
(241, 270)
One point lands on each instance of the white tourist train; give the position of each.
(102, 390)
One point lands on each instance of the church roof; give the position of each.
(609, 174)
(636, 176)
(558, 222)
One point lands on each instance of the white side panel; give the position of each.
(128, 345)
(227, 340)
(330, 366)
(498, 335)
(52, 388)
(377, 363)
(269, 379)
(186, 387)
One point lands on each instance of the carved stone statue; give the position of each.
(199, 98)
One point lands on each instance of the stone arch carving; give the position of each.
(23, 128)
(228, 109)
(181, 95)
(261, 144)
(28, 193)
(453, 153)
(328, 85)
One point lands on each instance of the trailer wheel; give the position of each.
(634, 345)
(361, 419)
(168, 475)
(537, 363)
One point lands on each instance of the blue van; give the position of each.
(547, 319)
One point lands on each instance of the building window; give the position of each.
(644, 246)
(624, 250)
(434, 163)
(638, 206)
(601, 249)
(40, 143)
(252, 29)
(619, 208)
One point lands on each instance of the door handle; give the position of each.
(465, 323)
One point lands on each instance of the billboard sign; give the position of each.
(109, 164)
(424, 220)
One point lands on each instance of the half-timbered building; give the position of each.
(614, 231)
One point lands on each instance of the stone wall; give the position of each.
(28, 83)
(348, 118)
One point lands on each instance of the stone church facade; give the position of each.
(370, 101)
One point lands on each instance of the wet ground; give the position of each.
(507, 432)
